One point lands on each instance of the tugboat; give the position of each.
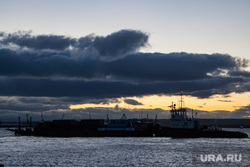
(183, 127)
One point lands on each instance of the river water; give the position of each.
(128, 151)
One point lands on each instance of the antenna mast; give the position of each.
(108, 118)
(89, 116)
(192, 114)
(63, 116)
(42, 117)
(181, 99)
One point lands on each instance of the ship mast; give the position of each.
(181, 100)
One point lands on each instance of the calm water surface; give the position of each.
(151, 151)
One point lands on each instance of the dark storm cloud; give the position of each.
(120, 43)
(75, 69)
(103, 89)
(132, 102)
(24, 39)
(114, 45)
(172, 66)
(140, 66)
(81, 100)
(45, 64)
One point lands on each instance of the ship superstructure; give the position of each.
(179, 118)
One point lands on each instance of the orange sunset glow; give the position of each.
(218, 102)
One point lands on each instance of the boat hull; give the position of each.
(162, 132)
(200, 133)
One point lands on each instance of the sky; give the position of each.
(93, 57)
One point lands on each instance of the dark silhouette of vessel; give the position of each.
(92, 128)
(180, 127)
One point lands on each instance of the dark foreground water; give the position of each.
(151, 151)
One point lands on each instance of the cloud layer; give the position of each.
(114, 45)
(110, 66)
(101, 67)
